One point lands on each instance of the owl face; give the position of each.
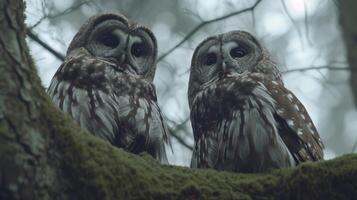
(224, 55)
(131, 47)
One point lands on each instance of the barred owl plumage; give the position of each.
(105, 84)
(243, 118)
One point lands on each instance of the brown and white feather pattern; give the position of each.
(110, 104)
(243, 118)
(248, 123)
(295, 124)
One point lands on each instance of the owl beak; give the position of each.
(122, 58)
(225, 69)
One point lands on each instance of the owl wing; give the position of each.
(295, 125)
(83, 88)
(143, 117)
(78, 87)
(234, 128)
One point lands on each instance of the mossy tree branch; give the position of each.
(43, 155)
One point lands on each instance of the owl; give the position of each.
(243, 118)
(105, 85)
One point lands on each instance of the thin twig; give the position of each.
(306, 22)
(317, 68)
(285, 8)
(204, 23)
(181, 141)
(64, 12)
(35, 38)
(177, 128)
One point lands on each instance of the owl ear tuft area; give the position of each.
(80, 39)
(251, 37)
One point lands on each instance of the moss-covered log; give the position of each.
(43, 155)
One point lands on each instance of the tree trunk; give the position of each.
(348, 17)
(44, 155)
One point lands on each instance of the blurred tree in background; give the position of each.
(303, 36)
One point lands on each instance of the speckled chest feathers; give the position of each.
(243, 118)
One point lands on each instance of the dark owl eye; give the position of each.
(238, 52)
(210, 59)
(109, 40)
(138, 49)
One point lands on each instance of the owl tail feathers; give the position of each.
(162, 155)
(165, 143)
(194, 159)
(141, 145)
(158, 151)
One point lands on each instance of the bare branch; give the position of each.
(35, 38)
(46, 15)
(181, 140)
(64, 12)
(177, 128)
(306, 22)
(204, 23)
(316, 68)
(292, 19)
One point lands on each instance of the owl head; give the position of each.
(228, 54)
(113, 38)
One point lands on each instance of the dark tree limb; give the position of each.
(35, 38)
(348, 16)
(175, 132)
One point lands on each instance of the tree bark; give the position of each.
(44, 155)
(26, 169)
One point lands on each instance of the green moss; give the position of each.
(95, 169)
